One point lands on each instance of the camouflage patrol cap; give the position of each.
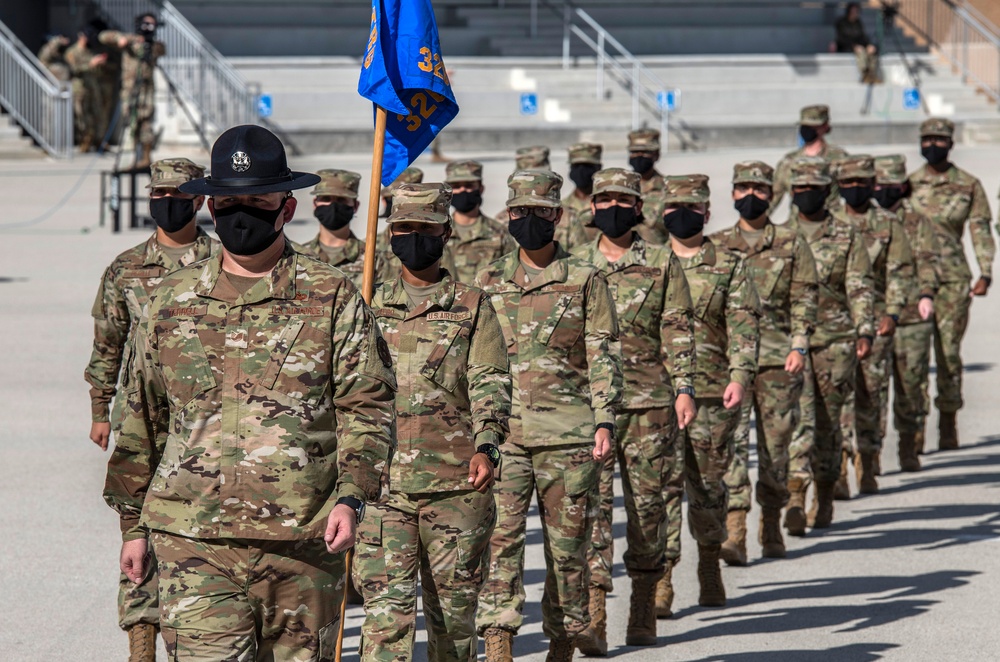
(753, 172)
(856, 166)
(528, 158)
(424, 203)
(814, 115)
(409, 176)
(937, 126)
(685, 188)
(341, 183)
(890, 169)
(616, 180)
(171, 173)
(644, 140)
(463, 171)
(534, 188)
(585, 153)
(810, 171)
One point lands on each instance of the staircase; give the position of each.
(13, 143)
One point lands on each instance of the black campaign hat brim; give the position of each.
(210, 187)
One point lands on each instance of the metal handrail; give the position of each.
(39, 103)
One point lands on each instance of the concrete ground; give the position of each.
(910, 574)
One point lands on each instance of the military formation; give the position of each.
(266, 418)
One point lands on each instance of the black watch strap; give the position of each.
(492, 453)
(357, 505)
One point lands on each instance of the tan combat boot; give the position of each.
(866, 473)
(561, 650)
(593, 641)
(822, 517)
(713, 593)
(918, 441)
(142, 643)
(909, 461)
(641, 630)
(734, 550)
(947, 431)
(842, 488)
(771, 542)
(665, 593)
(795, 516)
(499, 645)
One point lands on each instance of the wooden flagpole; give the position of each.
(367, 290)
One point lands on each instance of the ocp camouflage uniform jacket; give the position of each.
(784, 274)
(924, 245)
(453, 382)
(562, 339)
(483, 242)
(349, 258)
(844, 273)
(249, 415)
(783, 173)
(726, 320)
(654, 318)
(890, 256)
(136, 65)
(121, 299)
(949, 200)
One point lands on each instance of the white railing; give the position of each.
(40, 104)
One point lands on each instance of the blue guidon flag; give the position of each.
(403, 72)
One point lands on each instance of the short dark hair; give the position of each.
(139, 19)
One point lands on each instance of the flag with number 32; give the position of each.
(403, 72)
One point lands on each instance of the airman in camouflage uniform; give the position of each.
(644, 152)
(784, 274)
(654, 314)
(845, 328)
(951, 198)
(911, 345)
(558, 318)
(477, 239)
(388, 266)
(814, 125)
(584, 161)
(124, 292)
(893, 271)
(85, 64)
(258, 419)
(452, 405)
(727, 337)
(53, 57)
(532, 158)
(411, 175)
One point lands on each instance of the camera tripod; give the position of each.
(887, 26)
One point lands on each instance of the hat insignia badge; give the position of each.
(240, 162)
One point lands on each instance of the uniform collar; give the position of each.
(279, 284)
(705, 255)
(350, 251)
(155, 256)
(393, 295)
(480, 229)
(734, 239)
(556, 272)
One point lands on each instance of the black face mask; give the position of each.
(641, 164)
(532, 232)
(335, 215)
(582, 175)
(417, 251)
(684, 223)
(751, 207)
(811, 201)
(245, 230)
(466, 201)
(935, 154)
(171, 214)
(615, 220)
(808, 133)
(888, 197)
(856, 197)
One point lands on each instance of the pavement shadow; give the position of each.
(851, 653)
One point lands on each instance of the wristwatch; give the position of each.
(686, 390)
(800, 350)
(491, 452)
(357, 505)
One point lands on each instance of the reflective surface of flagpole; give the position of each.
(374, 196)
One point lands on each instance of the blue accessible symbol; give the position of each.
(911, 98)
(668, 100)
(529, 103)
(264, 105)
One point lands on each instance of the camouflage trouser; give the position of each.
(708, 450)
(648, 450)
(564, 479)
(139, 603)
(911, 357)
(445, 536)
(138, 120)
(861, 418)
(951, 318)
(775, 401)
(246, 600)
(833, 369)
(800, 451)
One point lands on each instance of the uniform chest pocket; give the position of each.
(827, 269)
(299, 362)
(959, 202)
(711, 305)
(563, 316)
(630, 292)
(448, 359)
(186, 366)
(877, 245)
(768, 273)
